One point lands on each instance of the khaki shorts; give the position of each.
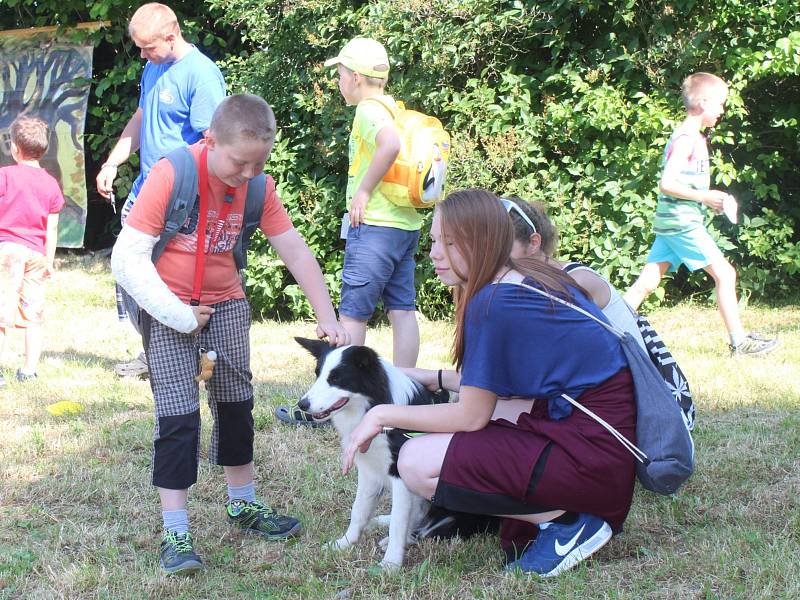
(23, 277)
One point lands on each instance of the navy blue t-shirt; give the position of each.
(520, 343)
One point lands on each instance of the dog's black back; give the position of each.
(398, 437)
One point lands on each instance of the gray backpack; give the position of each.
(664, 450)
(661, 357)
(181, 213)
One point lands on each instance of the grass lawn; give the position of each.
(81, 520)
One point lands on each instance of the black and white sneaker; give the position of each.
(23, 376)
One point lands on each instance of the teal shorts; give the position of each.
(696, 249)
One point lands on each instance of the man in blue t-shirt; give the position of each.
(180, 88)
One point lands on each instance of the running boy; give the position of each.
(681, 236)
(30, 200)
(381, 236)
(237, 146)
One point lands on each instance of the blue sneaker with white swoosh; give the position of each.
(560, 547)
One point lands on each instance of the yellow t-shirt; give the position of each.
(370, 118)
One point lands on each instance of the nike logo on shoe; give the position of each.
(565, 549)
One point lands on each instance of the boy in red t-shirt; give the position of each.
(30, 199)
(175, 327)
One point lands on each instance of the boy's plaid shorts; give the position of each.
(173, 358)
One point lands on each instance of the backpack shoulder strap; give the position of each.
(253, 209)
(626, 339)
(617, 332)
(629, 446)
(390, 109)
(183, 197)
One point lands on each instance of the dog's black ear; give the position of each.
(317, 348)
(364, 357)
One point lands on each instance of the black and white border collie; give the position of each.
(350, 381)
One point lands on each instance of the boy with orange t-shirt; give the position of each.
(178, 319)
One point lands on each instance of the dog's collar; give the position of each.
(408, 434)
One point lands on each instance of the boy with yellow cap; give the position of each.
(381, 236)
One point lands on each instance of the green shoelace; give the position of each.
(182, 543)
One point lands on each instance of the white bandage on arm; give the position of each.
(133, 268)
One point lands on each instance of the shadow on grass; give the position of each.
(81, 358)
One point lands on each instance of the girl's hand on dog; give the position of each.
(360, 439)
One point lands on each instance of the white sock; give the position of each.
(243, 492)
(737, 338)
(176, 520)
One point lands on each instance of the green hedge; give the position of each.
(569, 103)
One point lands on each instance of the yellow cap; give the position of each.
(365, 56)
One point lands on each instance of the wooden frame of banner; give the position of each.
(92, 25)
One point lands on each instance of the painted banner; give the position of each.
(45, 76)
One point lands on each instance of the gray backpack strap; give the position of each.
(616, 331)
(183, 198)
(664, 449)
(632, 448)
(253, 209)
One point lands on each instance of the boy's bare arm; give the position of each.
(301, 263)
(127, 144)
(51, 240)
(670, 184)
(387, 147)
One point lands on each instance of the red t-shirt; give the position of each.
(28, 195)
(176, 265)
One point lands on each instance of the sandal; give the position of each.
(291, 415)
(136, 368)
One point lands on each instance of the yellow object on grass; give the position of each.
(64, 408)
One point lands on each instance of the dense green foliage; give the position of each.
(569, 103)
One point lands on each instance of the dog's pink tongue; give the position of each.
(339, 404)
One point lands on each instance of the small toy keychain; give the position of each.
(207, 361)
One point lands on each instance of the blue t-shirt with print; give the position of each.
(520, 343)
(177, 100)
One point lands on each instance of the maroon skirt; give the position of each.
(579, 466)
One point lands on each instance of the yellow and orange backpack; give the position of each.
(418, 176)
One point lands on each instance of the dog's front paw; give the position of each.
(390, 566)
(340, 544)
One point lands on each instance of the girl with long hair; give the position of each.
(546, 465)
